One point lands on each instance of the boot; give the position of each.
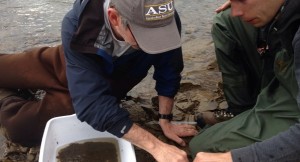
(213, 117)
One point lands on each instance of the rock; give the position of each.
(223, 105)
(188, 86)
(187, 106)
(177, 115)
(206, 106)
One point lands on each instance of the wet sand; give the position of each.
(37, 23)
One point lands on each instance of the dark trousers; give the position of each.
(41, 68)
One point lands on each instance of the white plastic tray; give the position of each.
(63, 130)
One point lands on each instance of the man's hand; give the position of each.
(175, 131)
(162, 152)
(213, 157)
(223, 7)
(169, 153)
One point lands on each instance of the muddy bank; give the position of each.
(26, 24)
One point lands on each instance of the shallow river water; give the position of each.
(24, 24)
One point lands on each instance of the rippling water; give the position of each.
(27, 23)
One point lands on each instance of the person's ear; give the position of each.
(113, 17)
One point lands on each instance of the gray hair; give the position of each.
(124, 21)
